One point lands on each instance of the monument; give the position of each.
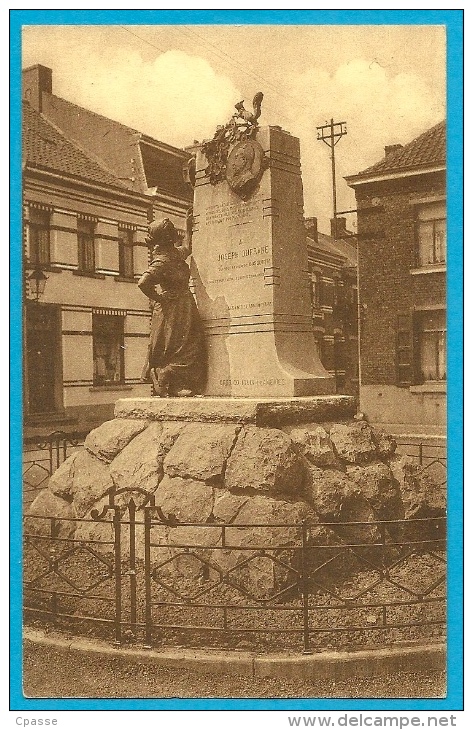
(249, 263)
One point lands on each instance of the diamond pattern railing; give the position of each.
(156, 580)
(42, 456)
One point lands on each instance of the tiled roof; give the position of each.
(46, 148)
(340, 249)
(139, 161)
(427, 150)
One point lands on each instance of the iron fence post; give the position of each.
(384, 564)
(53, 566)
(147, 566)
(118, 575)
(132, 570)
(305, 589)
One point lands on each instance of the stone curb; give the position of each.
(326, 665)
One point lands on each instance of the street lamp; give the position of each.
(36, 284)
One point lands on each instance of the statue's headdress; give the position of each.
(162, 233)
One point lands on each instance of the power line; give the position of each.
(153, 45)
(234, 63)
(239, 68)
(287, 97)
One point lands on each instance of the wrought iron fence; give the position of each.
(432, 458)
(42, 455)
(133, 574)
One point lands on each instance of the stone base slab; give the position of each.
(257, 411)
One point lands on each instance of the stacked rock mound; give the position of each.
(240, 474)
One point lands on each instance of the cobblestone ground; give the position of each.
(45, 675)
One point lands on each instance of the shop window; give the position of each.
(431, 234)
(39, 240)
(86, 245)
(107, 331)
(125, 253)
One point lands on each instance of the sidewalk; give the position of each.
(111, 673)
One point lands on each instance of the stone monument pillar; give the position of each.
(250, 269)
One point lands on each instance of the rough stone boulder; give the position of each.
(386, 444)
(377, 485)
(327, 491)
(228, 505)
(422, 498)
(263, 460)
(106, 441)
(257, 555)
(140, 464)
(337, 498)
(353, 442)
(201, 451)
(248, 489)
(421, 495)
(82, 480)
(46, 505)
(186, 500)
(315, 445)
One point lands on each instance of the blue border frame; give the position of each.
(453, 20)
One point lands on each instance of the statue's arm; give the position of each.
(186, 249)
(147, 284)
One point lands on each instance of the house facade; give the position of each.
(141, 164)
(401, 210)
(333, 281)
(86, 337)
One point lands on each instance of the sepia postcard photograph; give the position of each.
(231, 343)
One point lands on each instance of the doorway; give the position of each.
(43, 359)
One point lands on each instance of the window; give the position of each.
(39, 237)
(125, 253)
(315, 289)
(421, 347)
(86, 244)
(107, 331)
(431, 332)
(404, 367)
(431, 234)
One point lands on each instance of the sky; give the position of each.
(178, 82)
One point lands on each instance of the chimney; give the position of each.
(37, 79)
(311, 228)
(390, 148)
(338, 227)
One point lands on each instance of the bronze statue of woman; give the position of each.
(176, 361)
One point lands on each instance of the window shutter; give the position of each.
(404, 351)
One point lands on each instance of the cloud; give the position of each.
(175, 98)
(379, 108)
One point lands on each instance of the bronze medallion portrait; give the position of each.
(244, 167)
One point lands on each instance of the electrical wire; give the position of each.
(230, 61)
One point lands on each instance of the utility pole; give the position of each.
(331, 133)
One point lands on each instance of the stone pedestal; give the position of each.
(250, 273)
(257, 467)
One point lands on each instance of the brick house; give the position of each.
(85, 221)
(401, 209)
(333, 277)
